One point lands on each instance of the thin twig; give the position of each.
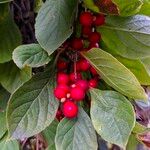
(37, 142)
(24, 142)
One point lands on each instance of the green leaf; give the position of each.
(128, 7)
(3, 128)
(91, 5)
(115, 74)
(146, 63)
(5, 1)
(4, 138)
(12, 77)
(112, 116)
(132, 143)
(4, 96)
(49, 135)
(76, 134)
(145, 9)
(129, 38)
(54, 23)
(139, 128)
(138, 69)
(10, 36)
(30, 55)
(32, 107)
(9, 145)
(37, 5)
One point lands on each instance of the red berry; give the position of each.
(94, 37)
(93, 71)
(93, 83)
(59, 93)
(70, 109)
(82, 84)
(64, 87)
(93, 45)
(61, 64)
(77, 93)
(86, 30)
(73, 77)
(77, 43)
(62, 78)
(99, 20)
(84, 65)
(86, 18)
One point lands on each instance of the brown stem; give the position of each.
(37, 142)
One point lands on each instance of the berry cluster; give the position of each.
(88, 22)
(72, 86)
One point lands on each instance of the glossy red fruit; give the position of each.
(59, 93)
(77, 43)
(93, 83)
(83, 84)
(70, 109)
(64, 87)
(98, 20)
(86, 19)
(84, 65)
(62, 78)
(86, 30)
(77, 93)
(94, 37)
(62, 64)
(73, 78)
(93, 45)
(93, 71)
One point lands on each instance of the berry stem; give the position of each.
(37, 142)
(60, 50)
(75, 65)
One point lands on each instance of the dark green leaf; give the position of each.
(10, 36)
(76, 134)
(128, 37)
(4, 96)
(3, 128)
(54, 23)
(115, 74)
(112, 116)
(30, 55)
(49, 135)
(32, 107)
(12, 77)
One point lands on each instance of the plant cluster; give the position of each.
(74, 74)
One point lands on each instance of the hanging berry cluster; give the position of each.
(72, 86)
